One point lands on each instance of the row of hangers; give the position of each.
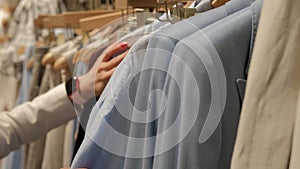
(182, 12)
(84, 20)
(87, 21)
(101, 17)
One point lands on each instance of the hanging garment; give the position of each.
(8, 81)
(8, 90)
(232, 46)
(167, 39)
(49, 80)
(69, 142)
(204, 5)
(69, 138)
(295, 153)
(88, 106)
(37, 73)
(23, 94)
(107, 124)
(232, 108)
(72, 5)
(54, 148)
(36, 149)
(54, 145)
(82, 69)
(269, 116)
(33, 149)
(16, 159)
(86, 156)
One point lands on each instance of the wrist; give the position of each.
(74, 92)
(86, 86)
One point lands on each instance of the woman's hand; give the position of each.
(93, 83)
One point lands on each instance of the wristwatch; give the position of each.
(73, 91)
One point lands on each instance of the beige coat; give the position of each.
(34, 119)
(268, 120)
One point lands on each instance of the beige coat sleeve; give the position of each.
(34, 119)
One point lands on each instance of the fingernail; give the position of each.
(124, 44)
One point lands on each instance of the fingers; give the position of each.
(104, 76)
(107, 65)
(115, 51)
(110, 73)
(113, 63)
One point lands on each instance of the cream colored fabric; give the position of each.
(35, 149)
(57, 143)
(34, 119)
(68, 146)
(8, 91)
(54, 148)
(267, 121)
(54, 145)
(295, 162)
(69, 134)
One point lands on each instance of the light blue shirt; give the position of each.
(135, 82)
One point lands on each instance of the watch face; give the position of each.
(74, 84)
(71, 86)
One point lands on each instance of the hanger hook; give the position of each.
(167, 13)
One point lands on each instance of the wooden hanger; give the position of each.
(3, 39)
(218, 3)
(48, 59)
(30, 63)
(54, 21)
(142, 3)
(62, 62)
(7, 9)
(72, 18)
(188, 4)
(54, 53)
(21, 50)
(39, 22)
(88, 24)
(76, 57)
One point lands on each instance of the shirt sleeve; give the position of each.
(34, 119)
